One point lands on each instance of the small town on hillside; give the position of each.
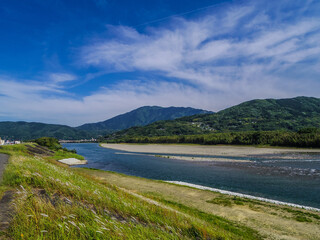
(8, 142)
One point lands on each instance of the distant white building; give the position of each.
(8, 142)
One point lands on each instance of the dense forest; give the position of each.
(308, 137)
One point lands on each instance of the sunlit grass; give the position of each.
(57, 202)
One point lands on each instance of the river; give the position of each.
(295, 181)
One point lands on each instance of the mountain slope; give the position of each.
(27, 131)
(141, 117)
(267, 114)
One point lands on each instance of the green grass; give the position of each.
(216, 221)
(57, 202)
(60, 154)
(302, 219)
(17, 149)
(222, 200)
(302, 216)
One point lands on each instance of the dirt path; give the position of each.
(3, 161)
(5, 201)
(151, 201)
(6, 209)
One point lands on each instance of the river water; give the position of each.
(294, 180)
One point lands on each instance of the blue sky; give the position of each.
(73, 62)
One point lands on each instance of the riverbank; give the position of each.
(241, 195)
(272, 221)
(193, 149)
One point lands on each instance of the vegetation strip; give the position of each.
(243, 195)
(304, 138)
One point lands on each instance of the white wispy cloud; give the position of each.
(220, 52)
(19, 89)
(212, 61)
(61, 77)
(36, 103)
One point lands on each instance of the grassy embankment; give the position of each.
(270, 220)
(53, 201)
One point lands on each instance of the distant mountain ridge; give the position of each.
(140, 117)
(255, 115)
(32, 130)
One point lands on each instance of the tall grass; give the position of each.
(55, 202)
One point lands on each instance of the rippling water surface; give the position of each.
(295, 180)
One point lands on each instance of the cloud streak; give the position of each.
(211, 61)
(221, 53)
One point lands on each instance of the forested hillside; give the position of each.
(140, 117)
(290, 114)
(27, 131)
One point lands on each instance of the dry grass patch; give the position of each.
(272, 221)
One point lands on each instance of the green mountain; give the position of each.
(257, 115)
(140, 117)
(33, 130)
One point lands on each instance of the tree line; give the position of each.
(307, 138)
